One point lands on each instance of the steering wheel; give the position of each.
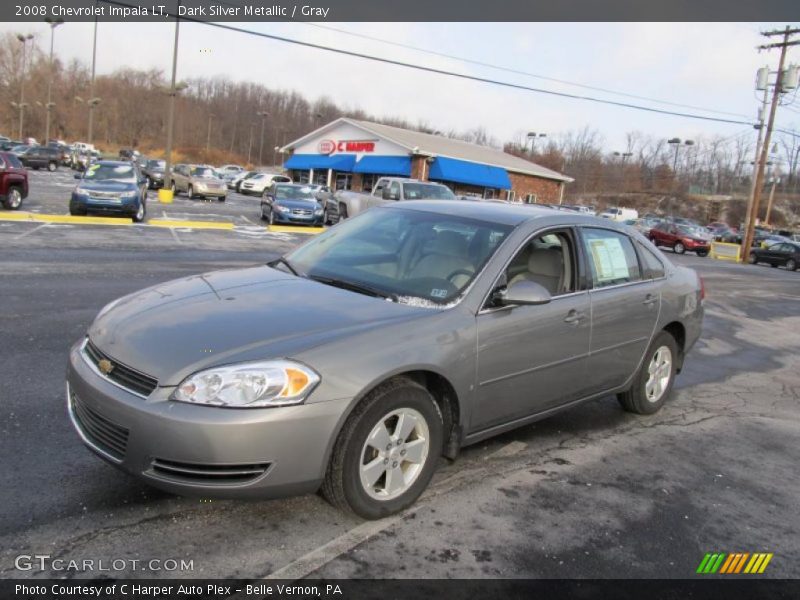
(466, 272)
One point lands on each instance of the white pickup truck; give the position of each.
(390, 189)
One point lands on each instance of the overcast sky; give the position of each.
(707, 65)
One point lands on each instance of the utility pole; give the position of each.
(747, 240)
(623, 156)
(208, 135)
(762, 111)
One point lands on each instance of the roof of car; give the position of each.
(118, 163)
(503, 213)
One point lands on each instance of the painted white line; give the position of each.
(175, 235)
(30, 231)
(319, 557)
(246, 219)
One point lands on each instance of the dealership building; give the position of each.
(351, 154)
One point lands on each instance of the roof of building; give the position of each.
(436, 145)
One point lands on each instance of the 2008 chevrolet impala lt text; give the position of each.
(353, 363)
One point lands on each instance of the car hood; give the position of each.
(106, 186)
(176, 328)
(307, 204)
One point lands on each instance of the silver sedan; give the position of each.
(351, 364)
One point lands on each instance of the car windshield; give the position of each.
(108, 172)
(203, 172)
(412, 257)
(290, 192)
(427, 191)
(13, 161)
(156, 164)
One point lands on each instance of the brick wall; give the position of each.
(546, 190)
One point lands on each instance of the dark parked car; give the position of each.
(328, 202)
(783, 254)
(353, 363)
(153, 171)
(13, 181)
(110, 187)
(680, 238)
(291, 203)
(38, 157)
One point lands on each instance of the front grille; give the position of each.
(104, 195)
(302, 212)
(100, 431)
(208, 474)
(120, 374)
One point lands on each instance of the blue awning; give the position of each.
(462, 171)
(337, 162)
(384, 165)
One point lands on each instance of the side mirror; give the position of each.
(524, 293)
(77, 176)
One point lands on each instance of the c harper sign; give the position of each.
(331, 146)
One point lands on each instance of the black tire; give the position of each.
(342, 212)
(52, 166)
(702, 253)
(325, 219)
(140, 213)
(76, 212)
(342, 486)
(12, 200)
(773, 265)
(752, 259)
(221, 199)
(635, 400)
(791, 265)
(174, 188)
(271, 217)
(679, 248)
(190, 192)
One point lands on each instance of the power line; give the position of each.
(448, 73)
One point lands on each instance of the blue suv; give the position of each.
(110, 187)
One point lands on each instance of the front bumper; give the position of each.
(123, 206)
(220, 192)
(202, 450)
(298, 219)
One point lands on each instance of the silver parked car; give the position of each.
(354, 362)
(198, 181)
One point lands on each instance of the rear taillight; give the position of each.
(702, 288)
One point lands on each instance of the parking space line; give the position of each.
(190, 224)
(30, 231)
(319, 557)
(295, 229)
(50, 218)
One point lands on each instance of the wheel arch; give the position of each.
(678, 331)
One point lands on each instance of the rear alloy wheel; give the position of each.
(51, 166)
(386, 452)
(679, 248)
(190, 192)
(174, 189)
(752, 259)
(791, 265)
(653, 383)
(13, 199)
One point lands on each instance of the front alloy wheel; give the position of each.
(387, 450)
(139, 216)
(13, 199)
(679, 248)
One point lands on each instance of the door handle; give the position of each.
(574, 317)
(650, 299)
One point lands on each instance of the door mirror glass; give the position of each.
(523, 293)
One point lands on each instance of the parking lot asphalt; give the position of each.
(592, 492)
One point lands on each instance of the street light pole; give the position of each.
(24, 40)
(53, 24)
(171, 111)
(92, 99)
(250, 144)
(263, 115)
(532, 135)
(208, 135)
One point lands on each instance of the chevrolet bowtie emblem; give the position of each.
(105, 366)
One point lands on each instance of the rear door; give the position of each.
(625, 304)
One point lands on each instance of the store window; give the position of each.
(530, 199)
(343, 181)
(512, 196)
(488, 193)
(301, 176)
(320, 177)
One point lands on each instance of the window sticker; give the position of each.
(437, 293)
(609, 259)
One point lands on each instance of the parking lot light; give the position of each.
(53, 24)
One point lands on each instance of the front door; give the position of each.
(625, 307)
(531, 358)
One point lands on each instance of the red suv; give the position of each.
(680, 238)
(13, 181)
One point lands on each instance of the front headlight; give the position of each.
(249, 385)
(129, 194)
(283, 209)
(318, 212)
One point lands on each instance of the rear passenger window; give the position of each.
(611, 256)
(653, 267)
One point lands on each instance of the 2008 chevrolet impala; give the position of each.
(354, 362)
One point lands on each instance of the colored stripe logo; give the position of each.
(734, 563)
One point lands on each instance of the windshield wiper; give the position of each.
(286, 263)
(355, 287)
